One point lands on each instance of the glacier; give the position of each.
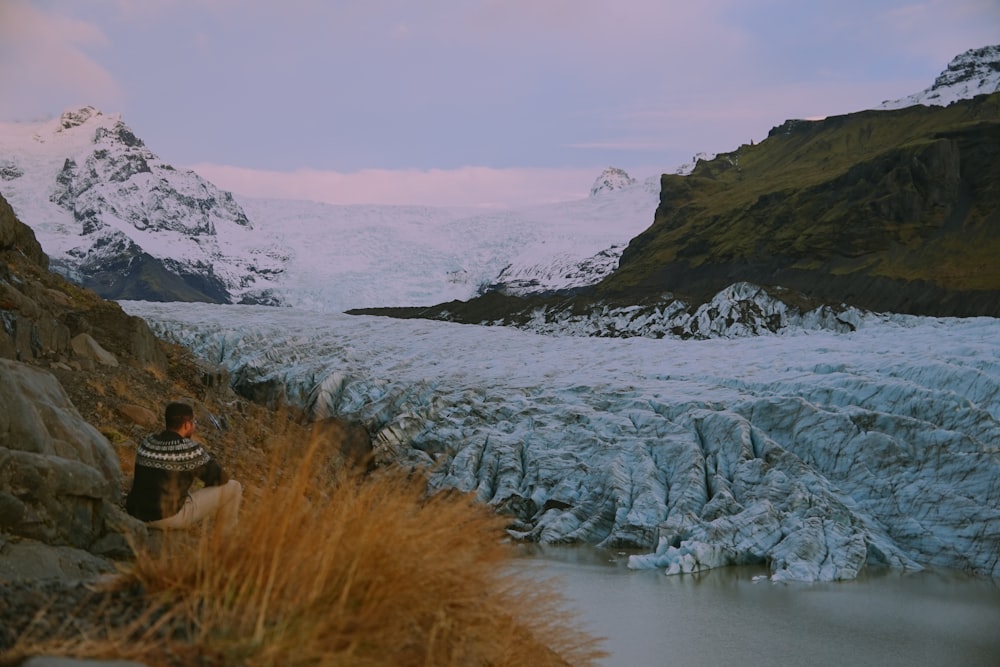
(97, 197)
(816, 452)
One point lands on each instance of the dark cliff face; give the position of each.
(887, 210)
(18, 238)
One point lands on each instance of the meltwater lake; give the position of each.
(735, 616)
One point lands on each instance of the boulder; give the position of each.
(139, 415)
(25, 559)
(86, 347)
(60, 480)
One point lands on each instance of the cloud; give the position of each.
(44, 64)
(481, 187)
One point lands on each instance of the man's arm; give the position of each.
(212, 473)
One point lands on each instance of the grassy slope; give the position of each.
(907, 195)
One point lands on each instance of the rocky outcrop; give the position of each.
(611, 179)
(742, 309)
(42, 314)
(60, 479)
(18, 238)
(60, 483)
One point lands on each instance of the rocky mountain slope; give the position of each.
(80, 382)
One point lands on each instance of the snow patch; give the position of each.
(975, 72)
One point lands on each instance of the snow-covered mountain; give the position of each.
(108, 211)
(975, 72)
(99, 200)
(611, 179)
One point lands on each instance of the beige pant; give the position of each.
(222, 501)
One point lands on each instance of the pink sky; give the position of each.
(482, 102)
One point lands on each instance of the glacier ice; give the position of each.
(818, 453)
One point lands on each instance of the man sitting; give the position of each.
(166, 465)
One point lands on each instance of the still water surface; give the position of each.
(724, 617)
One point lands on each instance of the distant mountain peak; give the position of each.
(75, 117)
(113, 216)
(611, 179)
(974, 72)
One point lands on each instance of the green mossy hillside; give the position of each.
(892, 210)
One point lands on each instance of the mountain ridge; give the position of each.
(888, 210)
(118, 219)
(973, 72)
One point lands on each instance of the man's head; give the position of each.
(178, 416)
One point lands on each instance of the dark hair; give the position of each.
(176, 414)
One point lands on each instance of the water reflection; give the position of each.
(725, 617)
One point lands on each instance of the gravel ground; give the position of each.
(54, 610)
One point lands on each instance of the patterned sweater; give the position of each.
(165, 467)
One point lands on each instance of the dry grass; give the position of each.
(329, 567)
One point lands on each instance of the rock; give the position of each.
(88, 348)
(29, 560)
(60, 480)
(142, 416)
(611, 179)
(40, 419)
(58, 298)
(65, 613)
(269, 393)
(118, 332)
(27, 332)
